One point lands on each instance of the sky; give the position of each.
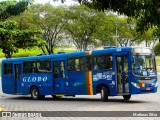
(68, 2)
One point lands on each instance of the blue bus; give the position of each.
(120, 71)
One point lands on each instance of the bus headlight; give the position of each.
(135, 85)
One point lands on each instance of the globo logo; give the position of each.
(35, 79)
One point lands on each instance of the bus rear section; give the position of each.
(8, 80)
(27, 77)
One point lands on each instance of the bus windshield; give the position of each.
(144, 65)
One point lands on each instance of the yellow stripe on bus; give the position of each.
(90, 83)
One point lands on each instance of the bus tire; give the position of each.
(104, 94)
(35, 93)
(126, 97)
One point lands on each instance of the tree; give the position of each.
(156, 32)
(12, 8)
(12, 38)
(129, 36)
(51, 21)
(25, 20)
(157, 49)
(83, 25)
(107, 31)
(146, 11)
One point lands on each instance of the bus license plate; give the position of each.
(147, 88)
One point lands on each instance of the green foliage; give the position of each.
(12, 8)
(7, 33)
(106, 31)
(51, 21)
(34, 51)
(85, 26)
(125, 31)
(25, 20)
(157, 61)
(11, 38)
(156, 31)
(79, 23)
(145, 11)
(157, 49)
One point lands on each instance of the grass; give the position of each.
(35, 51)
(24, 53)
(158, 61)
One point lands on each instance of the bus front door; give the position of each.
(122, 74)
(17, 78)
(59, 80)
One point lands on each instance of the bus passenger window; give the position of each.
(43, 66)
(102, 62)
(62, 68)
(82, 63)
(88, 63)
(59, 68)
(29, 67)
(7, 68)
(56, 70)
(95, 66)
(108, 62)
(70, 64)
(77, 64)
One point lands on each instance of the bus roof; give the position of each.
(73, 54)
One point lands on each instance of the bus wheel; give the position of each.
(35, 93)
(126, 97)
(104, 94)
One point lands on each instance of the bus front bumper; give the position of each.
(143, 90)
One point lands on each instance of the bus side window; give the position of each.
(88, 63)
(7, 68)
(108, 62)
(102, 62)
(95, 64)
(29, 67)
(77, 64)
(62, 68)
(70, 64)
(43, 66)
(82, 63)
(56, 70)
